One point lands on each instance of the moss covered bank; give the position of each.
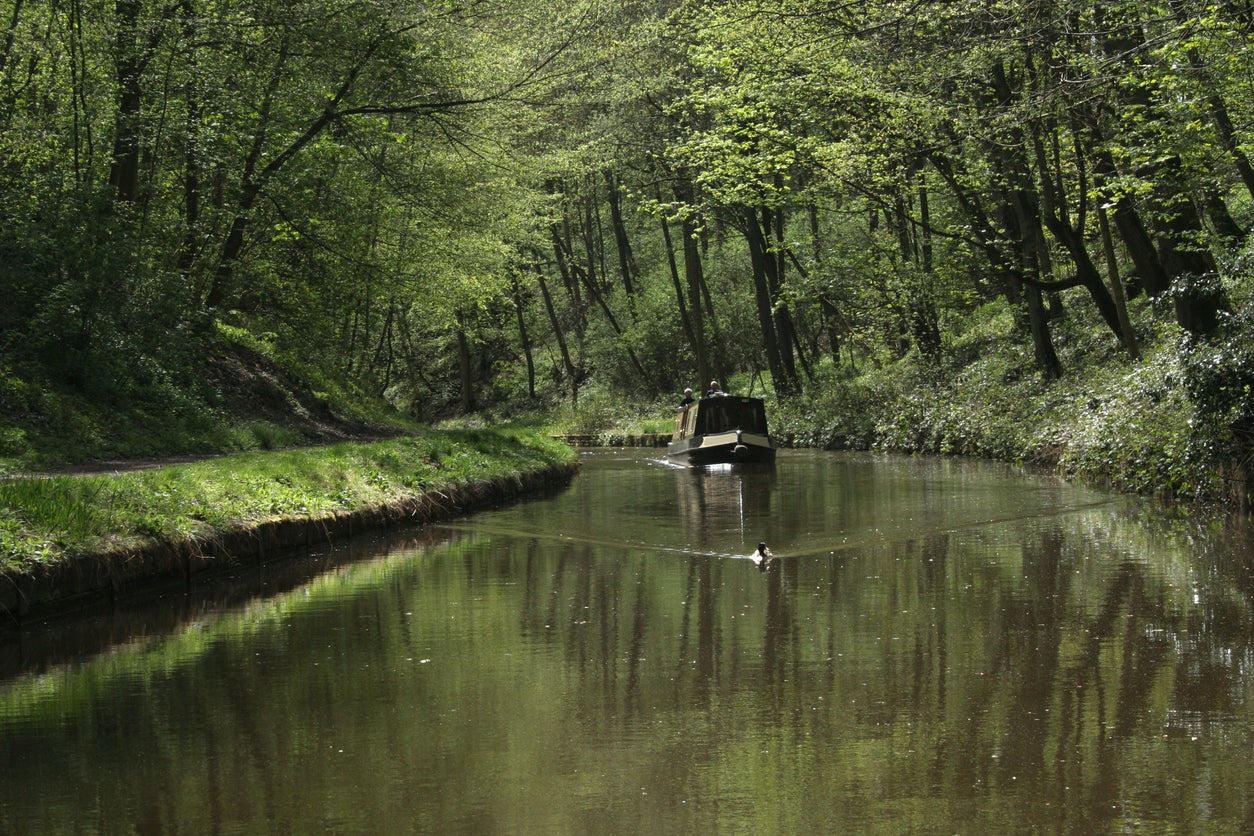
(71, 541)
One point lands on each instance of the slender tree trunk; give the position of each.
(717, 349)
(920, 312)
(464, 368)
(524, 336)
(561, 253)
(626, 260)
(1054, 215)
(984, 232)
(572, 373)
(759, 258)
(256, 177)
(773, 232)
(129, 66)
(1116, 287)
(830, 316)
(680, 302)
(384, 347)
(1025, 299)
(84, 146)
(189, 247)
(1043, 352)
(251, 184)
(595, 273)
(587, 276)
(1136, 238)
(597, 297)
(694, 278)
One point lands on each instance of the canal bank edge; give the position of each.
(92, 580)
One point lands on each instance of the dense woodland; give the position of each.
(507, 205)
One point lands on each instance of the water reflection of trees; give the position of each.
(1021, 670)
(1039, 674)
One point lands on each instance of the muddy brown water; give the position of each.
(943, 647)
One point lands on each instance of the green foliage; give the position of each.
(601, 412)
(390, 205)
(1219, 376)
(832, 412)
(1134, 431)
(239, 401)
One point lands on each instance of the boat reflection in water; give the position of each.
(725, 510)
(722, 429)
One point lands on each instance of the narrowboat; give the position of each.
(724, 429)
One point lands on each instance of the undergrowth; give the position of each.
(244, 397)
(1134, 425)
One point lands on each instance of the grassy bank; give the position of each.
(46, 520)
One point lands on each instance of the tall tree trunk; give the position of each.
(129, 63)
(773, 230)
(1043, 352)
(572, 373)
(189, 247)
(920, 311)
(626, 260)
(759, 259)
(383, 354)
(1127, 335)
(256, 177)
(1136, 238)
(588, 279)
(1024, 299)
(561, 253)
(680, 302)
(523, 335)
(831, 319)
(1178, 229)
(464, 368)
(1056, 217)
(694, 279)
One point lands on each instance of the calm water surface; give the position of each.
(945, 647)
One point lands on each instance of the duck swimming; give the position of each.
(764, 558)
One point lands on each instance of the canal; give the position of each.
(942, 646)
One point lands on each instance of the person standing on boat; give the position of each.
(714, 391)
(688, 399)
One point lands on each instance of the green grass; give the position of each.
(52, 518)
